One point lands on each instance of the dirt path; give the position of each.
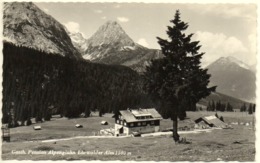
(143, 135)
(180, 132)
(81, 137)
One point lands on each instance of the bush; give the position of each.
(47, 117)
(28, 122)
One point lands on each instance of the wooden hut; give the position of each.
(5, 133)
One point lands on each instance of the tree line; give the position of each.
(220, 106)
(250, 109)
(38, 85)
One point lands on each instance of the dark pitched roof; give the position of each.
(130, 115)
(211, 120)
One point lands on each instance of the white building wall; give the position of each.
(156, 128)
(145, 129)
(117, 127)
(140, 129)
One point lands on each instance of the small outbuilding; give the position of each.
(5, 133)
(209, 121)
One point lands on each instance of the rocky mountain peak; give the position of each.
(111, 45)
(110, 33)
(79, 41)
(228, 61)
(233, 77)
(27, 25)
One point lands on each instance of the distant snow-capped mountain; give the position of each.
(111, 45)
(27, 25)
(229, 60)
(233, 78)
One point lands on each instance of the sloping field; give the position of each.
(236, 144)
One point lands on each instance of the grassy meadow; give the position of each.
(236, 144)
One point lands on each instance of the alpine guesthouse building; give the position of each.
(137, 121)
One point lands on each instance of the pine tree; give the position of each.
(178, 76)
(218, 106)
(253, 108)
(223, 107)
(250, 109)
(209, 106)
(243, 108)
(229, 107)
(213, 106)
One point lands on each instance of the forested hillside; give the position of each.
(39, 85)
(36, 84)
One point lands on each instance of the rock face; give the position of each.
(108, 38)
(233, 78)
(111, 45)
(25, 24)
(78, 41)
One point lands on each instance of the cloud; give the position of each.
(142, 41)
(252, 47)
(104, 17)
(117, 6)
(252, 41)
(217, 45)
(46, 10)
(98, 11)
(122, 19)
(72, 26)
(230, 11)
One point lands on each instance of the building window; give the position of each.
(125, 124)
(144, 123)
(152, 122)
(131, 124)
(121, 122)
(117, 121)
(148, 117)
(139, 123)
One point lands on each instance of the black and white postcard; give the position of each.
(129, 81)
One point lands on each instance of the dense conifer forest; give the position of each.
(39, 85)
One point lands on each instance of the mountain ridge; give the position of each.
(233, 78)
(111, 45)
(78, 41)
(22, 26)
(108, 34)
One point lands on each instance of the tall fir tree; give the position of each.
(209, 107)
(213, 106)
(178, 76)
(243, 108)
(250, 109)
(229, 107)
(253, 108)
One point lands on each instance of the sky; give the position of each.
(222, 29)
